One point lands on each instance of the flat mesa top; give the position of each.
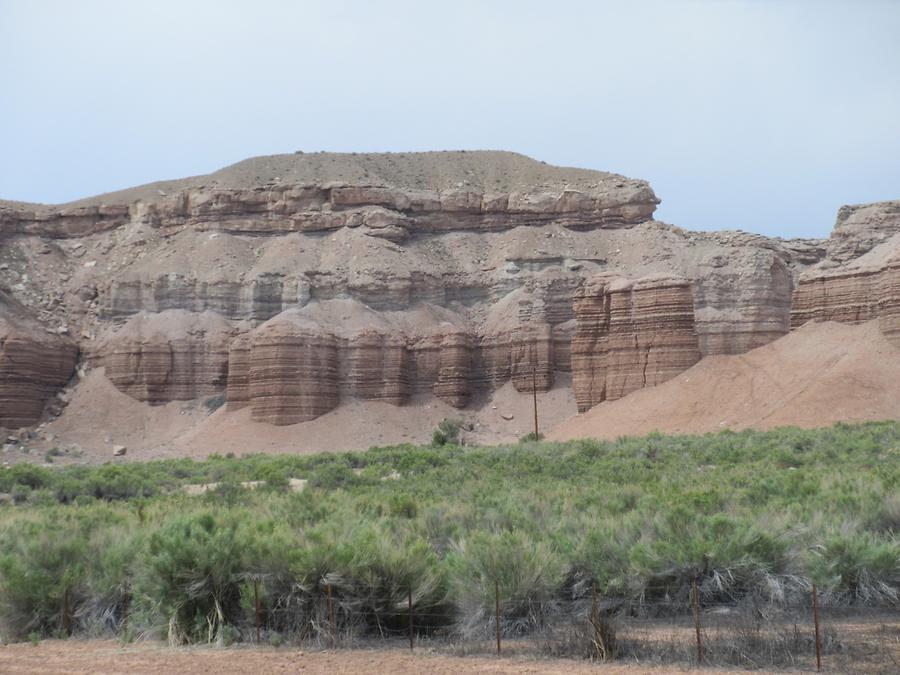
(490, 171)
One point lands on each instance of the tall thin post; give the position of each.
(256, 603)
(409, 599)
(534, 396)
(695, 597)
(66, 617)
(497, 612)
(331, 616)
(126, 599)
(815, 599)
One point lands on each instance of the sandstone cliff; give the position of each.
(630, 335)
(170, 356)
(860, 278)
(34, 365)
(295, 282)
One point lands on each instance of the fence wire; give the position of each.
(747, 634)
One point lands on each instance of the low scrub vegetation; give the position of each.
(752, 517)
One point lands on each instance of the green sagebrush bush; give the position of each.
(64, 572)
(193, 574)
(752, 516)
(527, 574)
(447, 432)
(859, 567)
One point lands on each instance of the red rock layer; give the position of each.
(524, 354)
(889, 302)
(292, 372)
(170, 356)
(34, 365)
(454, 370)
(376, 367)
(301, 363)
(629, 335)
(853, 295)
(860, 278)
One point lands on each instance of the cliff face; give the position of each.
(630, 335)
(171, 356)
(34, 365)
(860, 278)
(304, 362)
(294, 282)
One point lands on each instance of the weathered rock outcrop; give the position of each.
(171, 356)
(301, 363)
(860, 279)
(861, 227)
(386, 195)
(630, 335)
(294, 282)
(34, 365)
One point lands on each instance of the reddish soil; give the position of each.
(54, 657)
(815, 376)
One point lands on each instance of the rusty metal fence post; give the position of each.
(256, 606)
(331, 621)
(409, 599)
(815, 600)
(695, 601)
(497, 612)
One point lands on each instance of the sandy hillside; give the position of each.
(99, 417)
(817, 375)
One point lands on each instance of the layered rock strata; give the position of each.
(630, 335)
(303, 362)
(171, 356)
(852, 289)
(34, 365)
(385, 195)
(294, 282)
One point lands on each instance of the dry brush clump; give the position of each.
(575, 538)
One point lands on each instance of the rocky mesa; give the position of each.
(291, 284)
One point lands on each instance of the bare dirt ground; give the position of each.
(859, 641)
(100, 417)
(55, 657)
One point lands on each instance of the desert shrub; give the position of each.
(729, 558)
(333, 476)
(447, 432)
(275, 477)
(887, 518)
(28, 475)
(117, 482)
(193, 575)
(42, 575)
(753, 516)
(404, 506)
(601, 561)
(20, 493)
(858, 568)
(526, 573)
(381, 573)
(213, 403)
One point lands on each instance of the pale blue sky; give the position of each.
(764, 116)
